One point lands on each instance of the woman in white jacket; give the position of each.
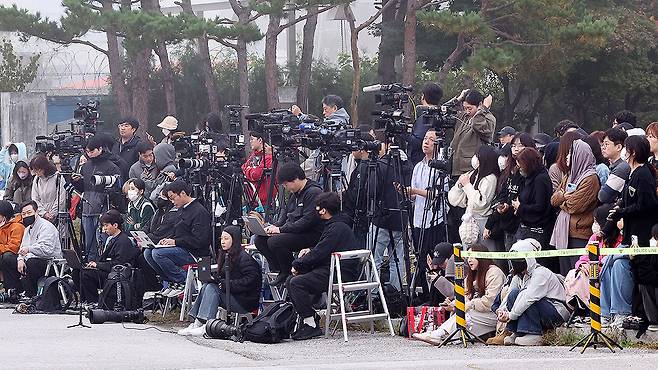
(476, 190)
(483, 283)
(45, 192)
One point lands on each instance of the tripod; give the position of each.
(333, 175)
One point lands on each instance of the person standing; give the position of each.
(431, 98)
(611, 148)
(47, 188)
(126, 147)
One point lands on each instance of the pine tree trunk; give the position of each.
(141, 62)
(386, 66)
(167, 78)
(409, 65)
(356, 82)
(271, 68)
(307, 59)
(208, 75)
(117, 76)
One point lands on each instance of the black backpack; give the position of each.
(50, 299)
(273, 325)
(123, 290)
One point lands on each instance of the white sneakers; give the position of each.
(510, 340)
(525, 340)
(197, 328)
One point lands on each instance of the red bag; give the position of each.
(424, 318)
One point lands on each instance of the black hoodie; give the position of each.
(535, 208)
(119, 251)
(244, 277)
(299, 215)
(95, 195)
(638, 205)
(336, 237)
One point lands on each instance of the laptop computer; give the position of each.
(143, 241)
(204, 268)
(73, 260)
(254, 225)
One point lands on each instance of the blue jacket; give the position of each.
(7, 166)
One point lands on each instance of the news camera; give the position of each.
(392, 98)
(440, 118)
(87, 116)
(278, 125)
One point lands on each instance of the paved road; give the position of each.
(43, 341)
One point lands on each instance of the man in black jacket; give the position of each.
(126, 147)
(190, 240)
(354, 198)
(118, 251)
(298, 225)
(96, 194)
(311, 268)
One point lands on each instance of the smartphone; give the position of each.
(571, 187)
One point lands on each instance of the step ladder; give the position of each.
(370, 282)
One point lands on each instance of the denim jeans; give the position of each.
(384, 243)
(168, 262)
(91, 229)
(207, 304)
(539, 316)
(616, 286)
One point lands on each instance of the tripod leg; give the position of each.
(610, 340)
(448, 338)
(580, 342)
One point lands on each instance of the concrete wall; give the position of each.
(22, 117)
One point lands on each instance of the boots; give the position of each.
(499, 339)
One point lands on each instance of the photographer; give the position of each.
(311, 268)
(239, 273)
(145, 168)
(191, 238)
(475, 127)
(96, 196)
(386, 229)
(118, 251)
(431, 98)
(355, 197)
(45, 192)
(126, 147)
(255, 165)
(297, 226)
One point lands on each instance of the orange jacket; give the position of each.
(11, 235)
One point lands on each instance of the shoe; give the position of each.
(618, 322)
(197, 332)
(186, 331)
(510, 340)
(499, 339)
(176, 290)
(652, 327)
(583, 322)
(164, 292)
(529, 340)
(280, 279)
(605, 321)
(427, 337)
(305, 332)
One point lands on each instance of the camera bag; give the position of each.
(50, 299)
(123, 290)
(274, 324)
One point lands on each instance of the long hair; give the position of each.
(234, 251)
(639, 147)
(480, 274)
(566, 142)
(488, 159)
(527, 141)
(17, 180)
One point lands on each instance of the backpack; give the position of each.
(273, 325)
(123, 289)
(50, 299)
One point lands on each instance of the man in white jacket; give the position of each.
(539, 303)
(40, 244)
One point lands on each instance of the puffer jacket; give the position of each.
(11, 235)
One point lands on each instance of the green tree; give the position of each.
(16, 72)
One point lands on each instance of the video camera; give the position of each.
(279, 125)
(393, 97)
(440, 118)
(88, 116)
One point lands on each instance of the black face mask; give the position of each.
(162, 203)
(29, 220)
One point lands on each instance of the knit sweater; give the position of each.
(476, 201)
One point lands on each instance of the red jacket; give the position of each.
(253, 169)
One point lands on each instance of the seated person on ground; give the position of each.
(538, 305)
(310, 271)
(298, 225)
(140, 209)
(11, 234)
(646, 277)
(190, 240)
(483, 283)
(39, 245)
(118, 250)
(441, 273)
(244, 284)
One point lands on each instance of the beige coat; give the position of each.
(494, 281)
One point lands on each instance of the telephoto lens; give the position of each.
(192, 163)
(102, 316)
(219, 329)
(107, 181)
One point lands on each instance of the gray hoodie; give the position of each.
(148, 174)
(165, 156)
(42, 240)
(537, 283)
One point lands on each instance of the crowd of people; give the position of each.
(503, 190)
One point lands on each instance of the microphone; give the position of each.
(372, 88)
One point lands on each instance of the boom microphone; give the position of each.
(372, 88)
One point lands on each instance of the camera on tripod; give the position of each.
(440, 118)
(279, 125)
(88, 116)
(234, 153)
(106, 181)
(393, 97)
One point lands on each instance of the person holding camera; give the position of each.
(126, 147)
(354, 198)
(431, 98)
(310, 271)
(119, 250)
(98, 178)
(237, 285)
(298, 225)
(39, 245)
(47, 188)
(190, 240)
(254, 168)
(475, 127)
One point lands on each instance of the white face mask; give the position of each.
(14, 157)
(22, 176)
(624, 155)
(475, 162)
(133, 195)
(165, 132)
(502, 163)
(596, 228)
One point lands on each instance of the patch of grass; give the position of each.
(561, 338)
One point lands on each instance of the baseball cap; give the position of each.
(442, 252)
(541, 139)
(507, 130)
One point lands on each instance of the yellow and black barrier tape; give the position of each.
(557, 253)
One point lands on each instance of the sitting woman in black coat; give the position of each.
(244, 283)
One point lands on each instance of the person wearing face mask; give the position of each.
(475, 127)
(40, 244)
(118, 250)
(576, 198)
(9, 156)
(45, 192)
(476, 190)
(19, 190)
(310, 270)
(169, 127)
(238, 284)
(11, 234)
(140, 209)
(538, 304)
